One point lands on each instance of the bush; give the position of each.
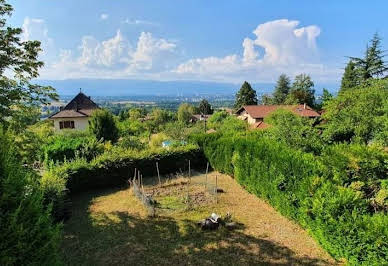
(157, 140)
(115, 167)
(28, 235)
(63, 147)
(359, 115)
(296, 131)
(217, 118)
(103, 126)
(322, 193)
(131, 142)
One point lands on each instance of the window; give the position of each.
(66, 124)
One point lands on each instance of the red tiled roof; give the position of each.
(260, 125)
(80, 106)
(261, 111)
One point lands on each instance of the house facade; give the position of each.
(75, 115)
(255, 114)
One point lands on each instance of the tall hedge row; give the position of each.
(317, 191)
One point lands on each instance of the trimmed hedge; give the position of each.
(115, 167)
(316, 191)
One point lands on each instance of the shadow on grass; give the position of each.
(118, 238)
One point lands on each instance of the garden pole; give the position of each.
(216, 188)
(157, 168)
(189, 170)
(207, 168)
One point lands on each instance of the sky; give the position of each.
(221, 41)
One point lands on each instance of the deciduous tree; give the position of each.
(20, 60)
(205, 108)
(185, 112)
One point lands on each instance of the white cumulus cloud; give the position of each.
(287, 49)
(113, 58)
(279, 46)
(104, 16)
(36, 29)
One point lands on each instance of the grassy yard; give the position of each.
(112, 227)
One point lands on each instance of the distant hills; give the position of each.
(128, 87)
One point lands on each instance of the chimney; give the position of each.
(304, 106)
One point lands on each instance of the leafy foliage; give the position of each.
(20, 58)
(68, 145)
(359, 115)
(216, 119)
(103, 126)
(27, 233)
(205, 108)
(185, 112)
(245, 96)
(302, 91)
(298, 132)
(113, 167)
(320, 192)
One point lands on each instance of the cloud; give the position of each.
(287, 49)
(150, 52)
(113, 58)
(279, 46)
(36, 29)
(139, 22)
(104, 16)
(109, 53)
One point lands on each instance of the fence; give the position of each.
(138, 190)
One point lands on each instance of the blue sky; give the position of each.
(227, 41)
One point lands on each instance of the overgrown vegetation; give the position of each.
(328, 174)
(339, 195)
(26, 228)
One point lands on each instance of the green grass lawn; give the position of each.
(111, 227)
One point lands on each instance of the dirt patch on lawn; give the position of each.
(111, 227)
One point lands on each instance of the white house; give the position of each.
(76, 114)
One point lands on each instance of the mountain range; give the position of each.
(129, 87)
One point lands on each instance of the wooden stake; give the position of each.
(134, 176)
(188, 194)
(207, 168)
(157, 168)
(216, 188)
(189, 170)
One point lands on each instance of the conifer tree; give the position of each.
(245, 96)
(351, 77)
(302, 91)
(282, 89)
(372, 65)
